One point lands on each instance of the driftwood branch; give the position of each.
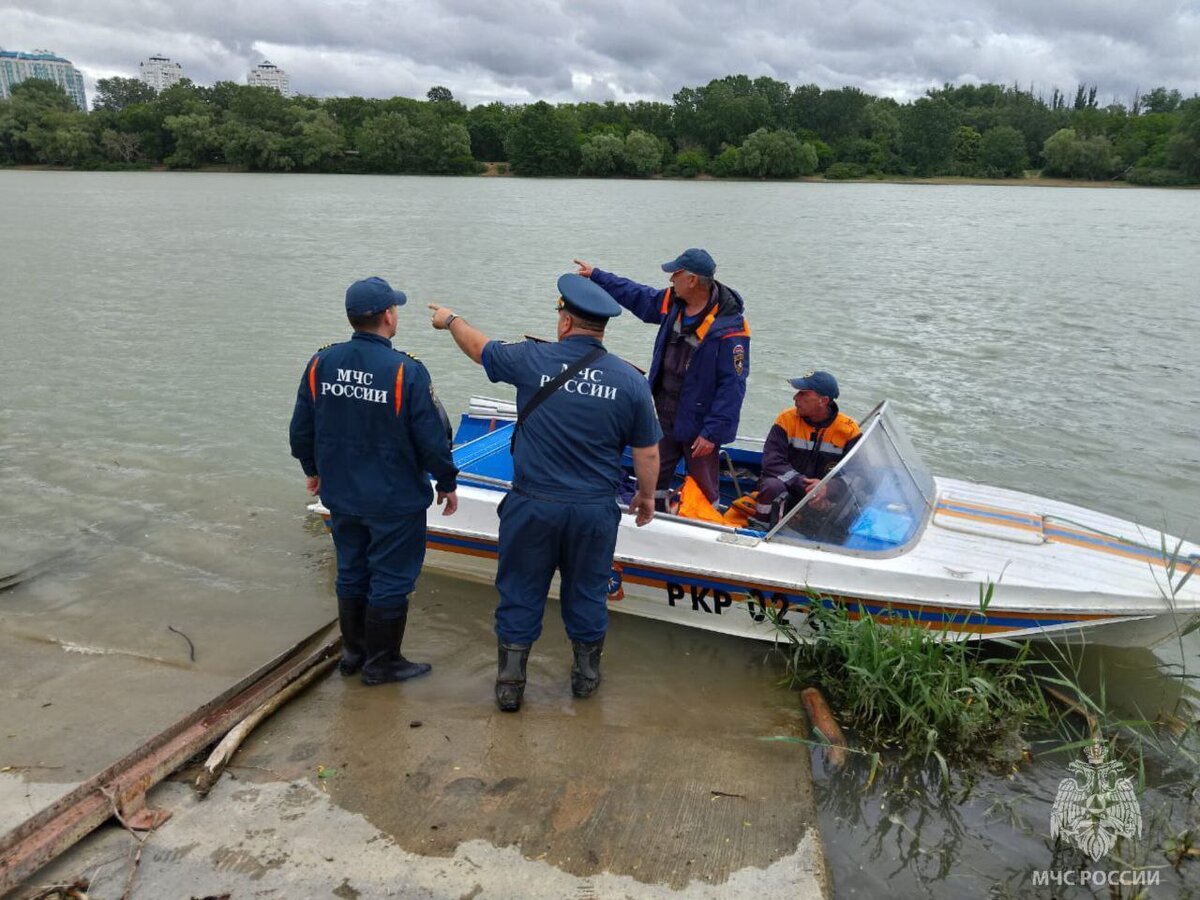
(1076, 707)
(223, 752)
(821, 718)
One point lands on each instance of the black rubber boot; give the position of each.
(585, 673)
(352, 618)
(384, 663)
(510, 675)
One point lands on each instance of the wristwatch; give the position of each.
(450, 320)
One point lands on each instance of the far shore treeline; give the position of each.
(732, 127)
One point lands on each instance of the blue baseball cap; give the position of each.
(372, 295)
(820, 382)
(582, 295)
(693, 260)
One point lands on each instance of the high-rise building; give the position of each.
(160, 73)
(16, 67)
(267, 74)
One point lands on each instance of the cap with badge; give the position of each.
(819, 382)
(586, 298)
(694, 260)
(372, 295)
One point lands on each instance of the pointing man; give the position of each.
(701, 360)
(578, 408)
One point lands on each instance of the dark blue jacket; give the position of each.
(367, 422)
(714, 386)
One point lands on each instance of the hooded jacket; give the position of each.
(714, 386)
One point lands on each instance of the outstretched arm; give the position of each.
(470, 339)
(642, 300)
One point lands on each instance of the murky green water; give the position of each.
(153, 328)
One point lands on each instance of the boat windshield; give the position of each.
(874, 502)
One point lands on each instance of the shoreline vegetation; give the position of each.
(732, 128)
(1031, 178)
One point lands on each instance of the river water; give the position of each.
(153, 327)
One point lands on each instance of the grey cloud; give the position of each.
(600, 49)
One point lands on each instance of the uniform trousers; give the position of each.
(379, 558)
(706, 470)
(773, 489)
(539, 536)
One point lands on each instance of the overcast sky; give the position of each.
(625, 50)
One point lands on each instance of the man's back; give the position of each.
(375, 428)
(570, 447)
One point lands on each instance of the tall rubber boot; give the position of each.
(352, 619)
(510, 675)
(585, 673)
(383, 639)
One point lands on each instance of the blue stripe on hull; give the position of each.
(740, 593)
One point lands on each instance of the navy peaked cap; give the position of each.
(372, 295)
(820, 382)
(585, 297)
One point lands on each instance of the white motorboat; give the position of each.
(898, 543)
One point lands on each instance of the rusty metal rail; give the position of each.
(121, 788)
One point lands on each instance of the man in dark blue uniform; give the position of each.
(578, 408)
(367, 428)
(700, 363)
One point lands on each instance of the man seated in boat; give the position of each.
(807, 440)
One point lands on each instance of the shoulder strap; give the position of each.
(551, 386)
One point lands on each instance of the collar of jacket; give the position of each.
(370, 336)
(828, 420)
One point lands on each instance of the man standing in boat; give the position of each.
(806, 441)
(366, 429)
(578, 408)
(700, 363)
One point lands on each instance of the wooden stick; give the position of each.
(821, 717)
(1076, 707)
(223, 752)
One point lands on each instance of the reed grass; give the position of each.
(917, 692)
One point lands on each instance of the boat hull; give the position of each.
(678, 572)
(963, 560)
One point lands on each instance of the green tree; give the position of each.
(1183, 148)
(642, 155)
(61, 137)
(544, 141)
(253, 147)
(601, 155)
(1002, 153)
(727, 110)
(350, 113)
(726, 163)
(489, 126)
(28, 120)
(388, 143)
(966, 144)
(690, 163)
(1067, 155)
(451, 143)
(776, 154)
(196, 140)
(1160, 100)
(316, 139)
(439, 94)
(653, 118)
(928, 127)
(881, 121)
(117, 93)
